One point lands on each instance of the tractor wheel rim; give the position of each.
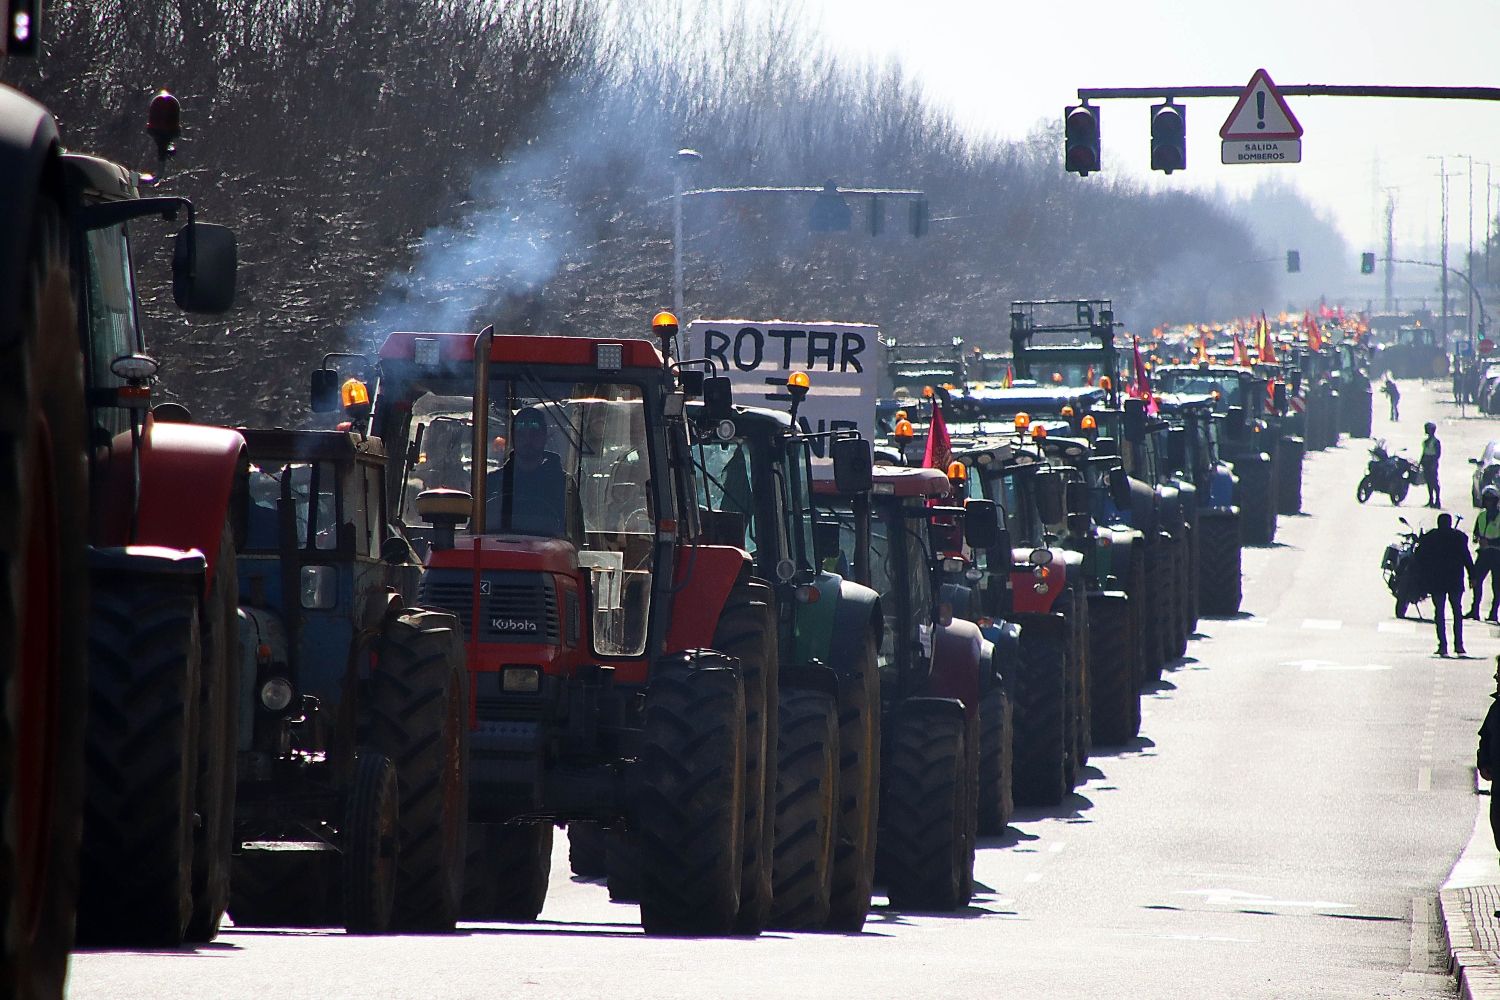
(37, 679)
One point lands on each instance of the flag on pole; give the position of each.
(1140, 385)
(1010, 377)
(1089, 378)
(1314, 335)
(1241, 354)
(939, 451)
(1202, 357)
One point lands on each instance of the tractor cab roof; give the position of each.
(457, 350)
(100, 178)
(1184, 402)
(282, 445)
(889, 480)
(760, 417)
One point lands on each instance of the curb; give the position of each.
(1473, 947)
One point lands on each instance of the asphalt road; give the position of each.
(1303, 785)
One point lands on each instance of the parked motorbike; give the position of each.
(1399, 566)
(1390, 474)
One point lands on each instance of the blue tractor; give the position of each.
(352, 801)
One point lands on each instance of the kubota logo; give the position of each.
(512, 625)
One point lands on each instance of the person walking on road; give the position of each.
(1392, 392)
(1487, 562)
(1443, 563)
(1432, 450)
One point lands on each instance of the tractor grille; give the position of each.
(514, 607)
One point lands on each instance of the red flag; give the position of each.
(1010, 376)
(939, 451)
(1140, 386)
(1314, 335)
(1089, 379)
(1241, 354)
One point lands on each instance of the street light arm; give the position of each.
(1483, 317)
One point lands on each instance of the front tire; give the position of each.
(1364, 490)
(418, 709)
(1219, 574)
(372, 841)
(996, 762)
(806, 810)
(1040, 693)
(859, 793)
(508, 870)
(926, 848)
(690, 816)
(1116, 686)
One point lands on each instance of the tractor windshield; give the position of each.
(565, 460)
(311, 490)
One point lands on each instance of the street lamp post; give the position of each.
(681, 159)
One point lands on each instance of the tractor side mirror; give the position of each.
(325, 390)
(1077, 494)
(691, 382)
(1296, 380)
(1119, 487)
(1237, 420)
(825, 541)
(718, 397)
(1177, 447)
(203, 268)
(445, 510)
(1135, 420)
(1050, 499)
(853, 465)
(981, 523)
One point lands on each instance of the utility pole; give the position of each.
(1390, 251)
(1469, 263)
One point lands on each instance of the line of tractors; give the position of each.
(358, 677)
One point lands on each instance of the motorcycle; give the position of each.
(1390, 474)
(1399, 566)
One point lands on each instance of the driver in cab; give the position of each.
(531, 493)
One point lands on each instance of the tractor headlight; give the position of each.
(276, 694)
(1040, 557)
(521, 680)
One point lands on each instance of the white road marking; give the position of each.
(1396, 628)
(1247, 623)
(1034, 877)
(1312, 666)
(1235, 897)
(1056, 848)
(1322, 624)
(1424, 779)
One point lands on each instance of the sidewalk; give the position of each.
(1468, 903)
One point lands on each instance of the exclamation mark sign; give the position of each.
(1260, 109)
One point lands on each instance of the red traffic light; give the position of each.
(1168, 137)
(1081, 139)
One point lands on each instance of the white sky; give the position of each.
(1002, 66)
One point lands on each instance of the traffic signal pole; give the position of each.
(1302, 90)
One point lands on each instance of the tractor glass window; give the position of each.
(310, 492)
(726, 483)
(799, 489)
(112, 331)
(885, 568)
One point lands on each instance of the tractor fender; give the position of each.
(1188, 493)
(1143, 507)
(1169, 500)
(957, 657)
(833, 628)
(932, 708)
(1221, 486)
(702, 577)
(29, 147)
(1031, 594)
(809, 677)
(190, 478)
(963, 599)
(263, 647)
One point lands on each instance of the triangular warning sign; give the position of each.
(1261, 113)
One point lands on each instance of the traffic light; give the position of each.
(1366, 263)
(919, 217)
(830, 212)
(1168, 137)
(1081, 139)
(1293, 262)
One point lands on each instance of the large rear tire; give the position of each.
(1116, 685)
(372, 842)
(588, 849)
(1040, 694)
(508, 870)
(690, 815)
(1289, 476)
(747, 632)
(926, 846)
(418, 709)
(137, 857)
(1219, 584)
(1257, 500)
(285, 889)
(859, 793)
(218, 743)
(996, 799)
(807, 775)
(43, 601)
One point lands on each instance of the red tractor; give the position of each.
(622, 669)
(92, 528)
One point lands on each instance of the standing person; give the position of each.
(1443, 562)
(1489, 752)
(1432, 450)
(1391, 390)
(1487, 563)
